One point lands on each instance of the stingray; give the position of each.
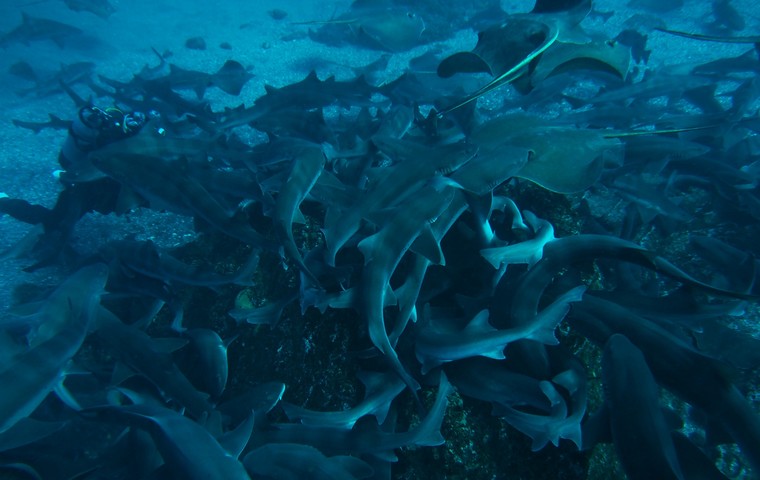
(503, 51)
(509, 50)
(599, 55)
(561, 159)
(380, 24)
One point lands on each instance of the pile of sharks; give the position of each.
(532, 227)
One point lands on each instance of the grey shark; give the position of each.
(436, 345)
(29, 376)
(380, 390)
(34, 29)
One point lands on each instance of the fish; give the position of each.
(309, 94)
(75, 297)
(435, 344)
(188, 449)
(564, 417)
(100, 8)
(494, 381)
(377, 24)
(650, 199)
(677, 366)
(561, 159)
(408, 293)
(383, 252)
(304, 172)
(165, 185)
(147, 259)
(30, 375)
(391, 184)
(27, 431)
(142, 354)
(55, 123)
(35, 29)
(260, 399)
(68, 75)
(503, 51)
(527, 251)
(230, 78)
(639, 429)
(366, 437)
(268, 314)
(208, 357)
(159, 83)
(566, 251)
(292, 461)
(380, 389)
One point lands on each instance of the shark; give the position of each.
(494, 381)
(310, 93)
(639, 429)
(231, 77)
(380, 390)
(147, 259)
(100, 8)
(142, 354)
(35, 29)
(435, 344)
(564, 417)
(164, 185)
(566, 251)
(31, 374)
(73, 298)
(303, 174)
(366, 437)
(408, 293)
(696, 378)
(294, 461)
(408, 226)
(188, 449)
(208, 360)
(525, 252)
(389, 185)
(55, 123)
(55, 82)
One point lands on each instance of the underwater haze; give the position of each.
(380, 239)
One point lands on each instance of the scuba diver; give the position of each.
(85, 189)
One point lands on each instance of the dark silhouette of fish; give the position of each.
(55, 122)
(101, 8)
(230, 78)
(68, 74)
(34, 29)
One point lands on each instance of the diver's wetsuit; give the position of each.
(92, 129)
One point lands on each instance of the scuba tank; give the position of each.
(93, 128)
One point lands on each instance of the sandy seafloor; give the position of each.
(121, 46)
